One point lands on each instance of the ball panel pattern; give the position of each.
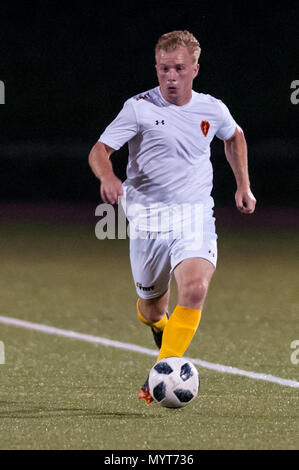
(184, 396)
(159, 391)
(186, 371)
(163, 368)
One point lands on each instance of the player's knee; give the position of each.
(192, 294)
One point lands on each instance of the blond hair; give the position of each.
(171, 41)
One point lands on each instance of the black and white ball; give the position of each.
(173, 382)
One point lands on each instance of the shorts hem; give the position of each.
(214, 263)
(153, 296)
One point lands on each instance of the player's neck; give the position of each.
(178, 100)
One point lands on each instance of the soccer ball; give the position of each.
(173, 382)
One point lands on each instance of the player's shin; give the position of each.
(179, 331)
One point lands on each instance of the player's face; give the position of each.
(176, 72)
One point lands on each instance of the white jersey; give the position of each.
(169, 150)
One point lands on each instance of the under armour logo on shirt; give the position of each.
(160, 122)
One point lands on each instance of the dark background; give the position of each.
(68, 68)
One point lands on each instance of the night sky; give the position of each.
(68, 68)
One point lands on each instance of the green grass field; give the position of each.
(60, 393)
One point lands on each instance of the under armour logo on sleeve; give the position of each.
(160, 122)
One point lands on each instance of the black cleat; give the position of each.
(158, 335)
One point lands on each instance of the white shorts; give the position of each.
(153, 260)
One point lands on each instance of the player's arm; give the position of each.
(99, 161)
(236, 153)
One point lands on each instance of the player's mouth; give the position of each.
(172, 89)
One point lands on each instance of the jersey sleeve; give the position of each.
(227, 125)
(122, 129)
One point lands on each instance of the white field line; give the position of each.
(150, 352)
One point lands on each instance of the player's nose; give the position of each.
(171, 75)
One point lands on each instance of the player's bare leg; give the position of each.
(193, 276)
(153, 310)
(154, 313)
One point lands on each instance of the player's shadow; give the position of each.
(46, 412)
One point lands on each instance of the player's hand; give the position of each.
(111, 188)
(245, 200)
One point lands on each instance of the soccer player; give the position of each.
(169, 130)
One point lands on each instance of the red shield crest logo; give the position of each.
(205, 126)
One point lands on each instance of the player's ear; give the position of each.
(196, 70)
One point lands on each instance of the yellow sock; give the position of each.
(157, 326)
(179, 331)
